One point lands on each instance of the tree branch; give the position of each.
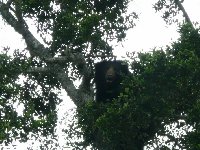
(37, 70)
(78, 60)
(34, 46)
(186, 16)
(77, 95)
(37, 49)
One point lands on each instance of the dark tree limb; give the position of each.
(37, 49)
(185, 14)
(34, 46)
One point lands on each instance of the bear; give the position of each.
(108, 78)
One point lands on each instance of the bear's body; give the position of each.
(108, 78)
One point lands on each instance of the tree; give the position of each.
(164, 89)
(79, 32)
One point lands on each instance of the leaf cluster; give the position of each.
(163, 89)
(27, 103)
(170, 10)
(79, 23)
(77, 29)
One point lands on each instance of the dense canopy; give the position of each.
(160, 96)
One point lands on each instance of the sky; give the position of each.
(150, 31)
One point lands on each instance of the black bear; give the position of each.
(108, 78)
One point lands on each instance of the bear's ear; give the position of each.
(121, 67)
(99, 71)
(124, 68)
(99, 78)
(98, 67)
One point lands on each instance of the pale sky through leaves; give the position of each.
(151, 30)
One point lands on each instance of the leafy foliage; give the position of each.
(79, 33)
(79, 23)
(37, 108)
(170, 10)
(164, 89)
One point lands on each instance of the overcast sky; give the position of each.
(150, 31)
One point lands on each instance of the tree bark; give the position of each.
(185, 14)
(36, 49)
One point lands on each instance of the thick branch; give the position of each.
(38, 70)
(186, 16)
(78, 60)
(77, 95)
(34, 46)
(37, 49)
